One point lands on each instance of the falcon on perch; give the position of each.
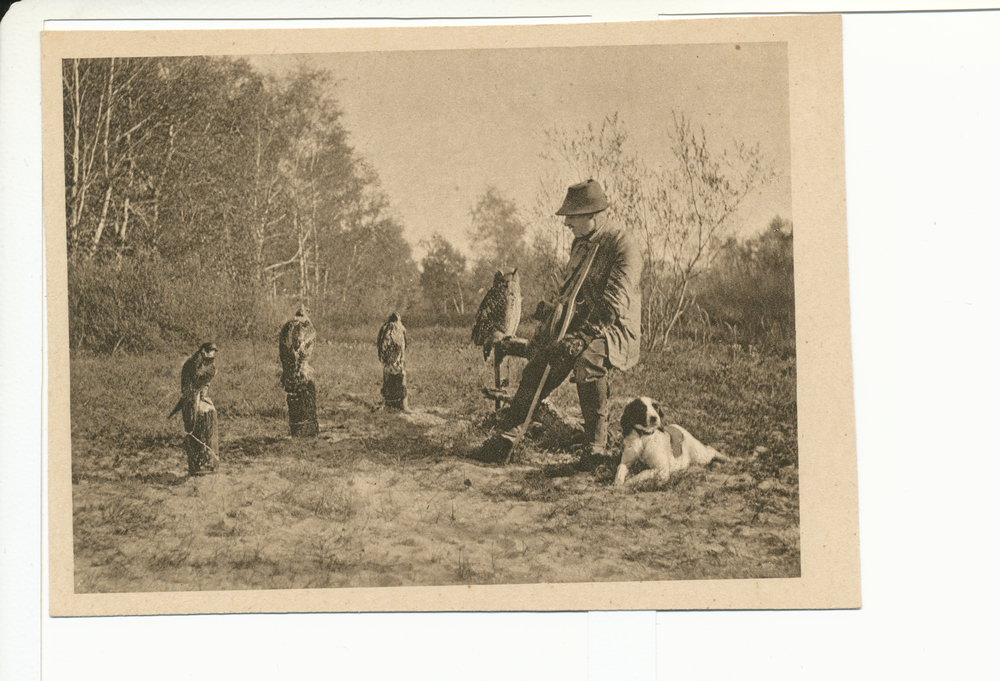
(499, 313)
(392, 344)
(197, 372)
(295, 345)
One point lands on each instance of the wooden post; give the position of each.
(301, 403)
(202, 440)
(508, 347)
(394, 390)
(497, 360)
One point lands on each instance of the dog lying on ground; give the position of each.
(663, 448)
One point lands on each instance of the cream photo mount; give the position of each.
(828, 520)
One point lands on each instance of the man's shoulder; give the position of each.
(613, 233)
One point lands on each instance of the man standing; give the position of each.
(604, 330)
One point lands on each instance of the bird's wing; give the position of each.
(188, 374)
(382, 332)
(482, 330)
(391, 350)
(307, 338)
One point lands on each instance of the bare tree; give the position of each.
(683, 214)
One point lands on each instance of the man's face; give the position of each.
(582, 225)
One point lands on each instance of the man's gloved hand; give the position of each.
(572, 345)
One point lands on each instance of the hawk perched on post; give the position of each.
(392, 344)
(295, 345)
(197, 372)
(499, 313)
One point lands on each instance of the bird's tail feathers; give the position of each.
(180, 405)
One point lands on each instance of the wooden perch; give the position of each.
(394, 390)
(301, 401)
(503, 348)
(510, 347)
(498, 395)
(202, 440)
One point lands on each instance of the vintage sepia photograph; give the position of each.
(526, 317)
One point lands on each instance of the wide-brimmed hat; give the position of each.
(583, 199)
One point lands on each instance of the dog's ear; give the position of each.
(659, 410)
(628, 417)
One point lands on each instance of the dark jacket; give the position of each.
(610, 297)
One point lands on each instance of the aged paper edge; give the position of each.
(830, 558)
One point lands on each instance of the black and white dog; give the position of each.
(662, 448)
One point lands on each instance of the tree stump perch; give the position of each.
(394, 390)
(300, 396)
(301, 403)
(201, 442)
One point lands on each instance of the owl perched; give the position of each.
(392, 344)
(295, 345)
(197, 372)
(499, 313)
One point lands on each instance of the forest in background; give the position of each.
(205, 200)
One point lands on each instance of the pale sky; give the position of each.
(439, 127)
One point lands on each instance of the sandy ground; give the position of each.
(385, 499)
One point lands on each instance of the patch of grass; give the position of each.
(225, 530)
(127, 516)
(250, 559)
(332, 551)
(464, 572)
(299, 473)
(127, 512)
(333, 501)
(172, 557)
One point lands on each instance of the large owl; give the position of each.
(499, 313)
(392, 344)
(197, 372)
(295, 345)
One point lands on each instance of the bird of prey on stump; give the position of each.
(197, 372)
(499, 313)
(392, 354)
(295, 345)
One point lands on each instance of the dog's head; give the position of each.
(642, 414)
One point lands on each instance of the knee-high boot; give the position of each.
(594, 403)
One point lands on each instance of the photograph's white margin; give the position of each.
(921, 137)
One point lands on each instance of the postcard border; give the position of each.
(828, 467)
